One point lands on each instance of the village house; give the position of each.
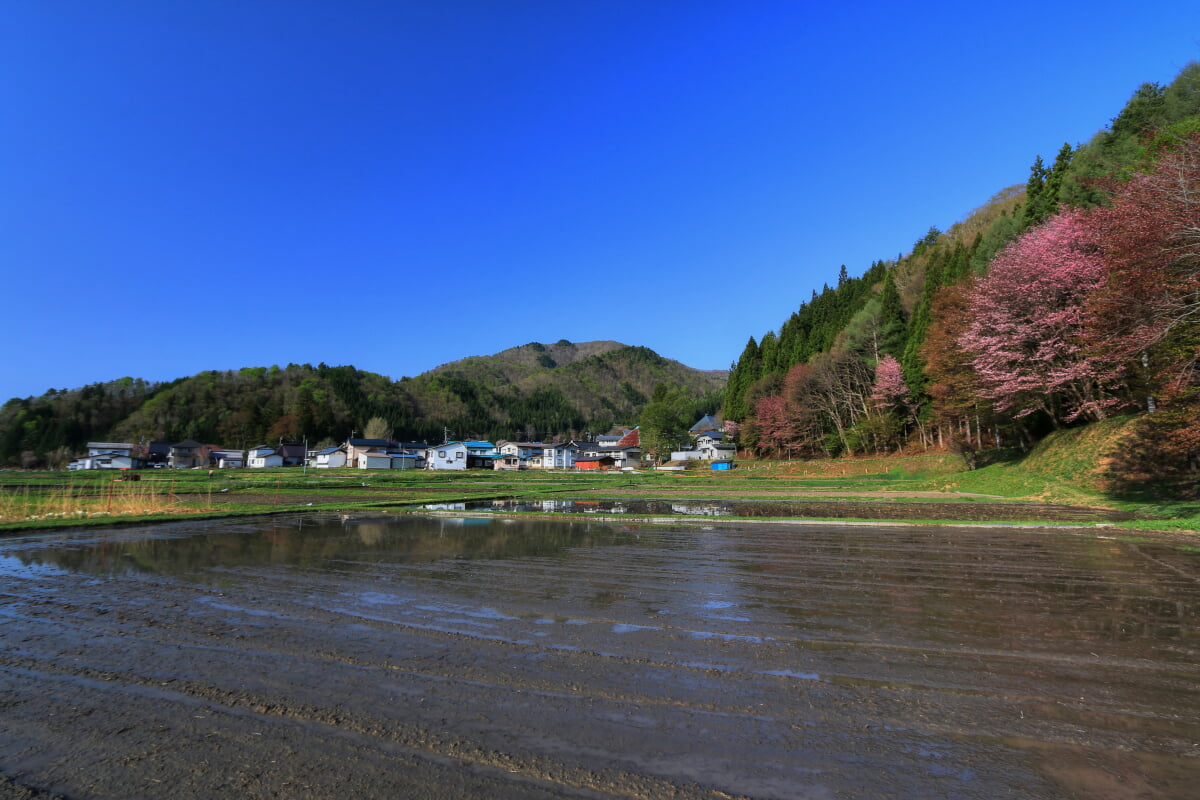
(185, 455)
(560, 456)
(357, 448)
(528, 453)
(329, 458)
(708, 443)
(461, 455)
(293, 454)
(264, 457)
(626, 453)
(107, 461)
(110, 448)
(707, 424)
(108, 455)
(508, 462)
(713, 446)
(374, 460)
(226, 459)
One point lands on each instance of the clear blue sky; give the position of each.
(395, 185)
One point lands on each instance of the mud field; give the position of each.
(331, 657)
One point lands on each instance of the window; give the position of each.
(441, 453)
(459, 455)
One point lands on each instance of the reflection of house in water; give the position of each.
(710, 510)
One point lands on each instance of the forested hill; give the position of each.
(1063, 301)
(530, 392)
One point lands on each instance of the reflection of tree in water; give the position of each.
(341, 543)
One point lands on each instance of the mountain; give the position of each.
(1059, 303)
(535, 391)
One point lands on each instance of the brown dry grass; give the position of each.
(115, 498)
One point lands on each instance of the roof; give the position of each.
(329, 450)
(187, 443)
(111, 445)
(369, 443)
(707, 423)
(630, 439)
(479, 444)
(713, 435)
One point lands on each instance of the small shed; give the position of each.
(374, 461)
(721, 466)
(594, 462)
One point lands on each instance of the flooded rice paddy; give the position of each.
(505, 658)
(794, 509)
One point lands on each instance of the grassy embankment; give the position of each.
(1068, 468)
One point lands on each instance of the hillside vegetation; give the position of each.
(1058, 304)
(528, 392)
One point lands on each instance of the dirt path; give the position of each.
(504, 659)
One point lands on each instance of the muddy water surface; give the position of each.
(448, 657)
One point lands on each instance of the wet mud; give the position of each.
(316, 657)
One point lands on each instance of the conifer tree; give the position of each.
(892, 331)
(742, 375)
(1036, 204)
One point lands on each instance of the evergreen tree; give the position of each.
(1036, 202)
(892, 330)
(742, 375)
(1058, 173)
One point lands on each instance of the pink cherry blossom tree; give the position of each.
(889, 392)
(1027, 317)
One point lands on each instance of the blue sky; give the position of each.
(395, 185)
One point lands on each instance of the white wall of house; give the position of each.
(101, 448)
(331, 460)
(267, 460)
(446, 456)
(559, 456)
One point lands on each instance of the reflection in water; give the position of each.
(333, 543)
(821, 509)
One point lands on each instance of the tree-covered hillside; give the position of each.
(532, 392)
(1065, 301)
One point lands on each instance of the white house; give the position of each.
(262, 457)
(330, 458)
(560, 456)
(227, 459)
(461, 455)
(451, 455)
(105, 448)
(713, 447)
(106, 461)
(528, 453)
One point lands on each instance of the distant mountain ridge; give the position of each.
(534, 391)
